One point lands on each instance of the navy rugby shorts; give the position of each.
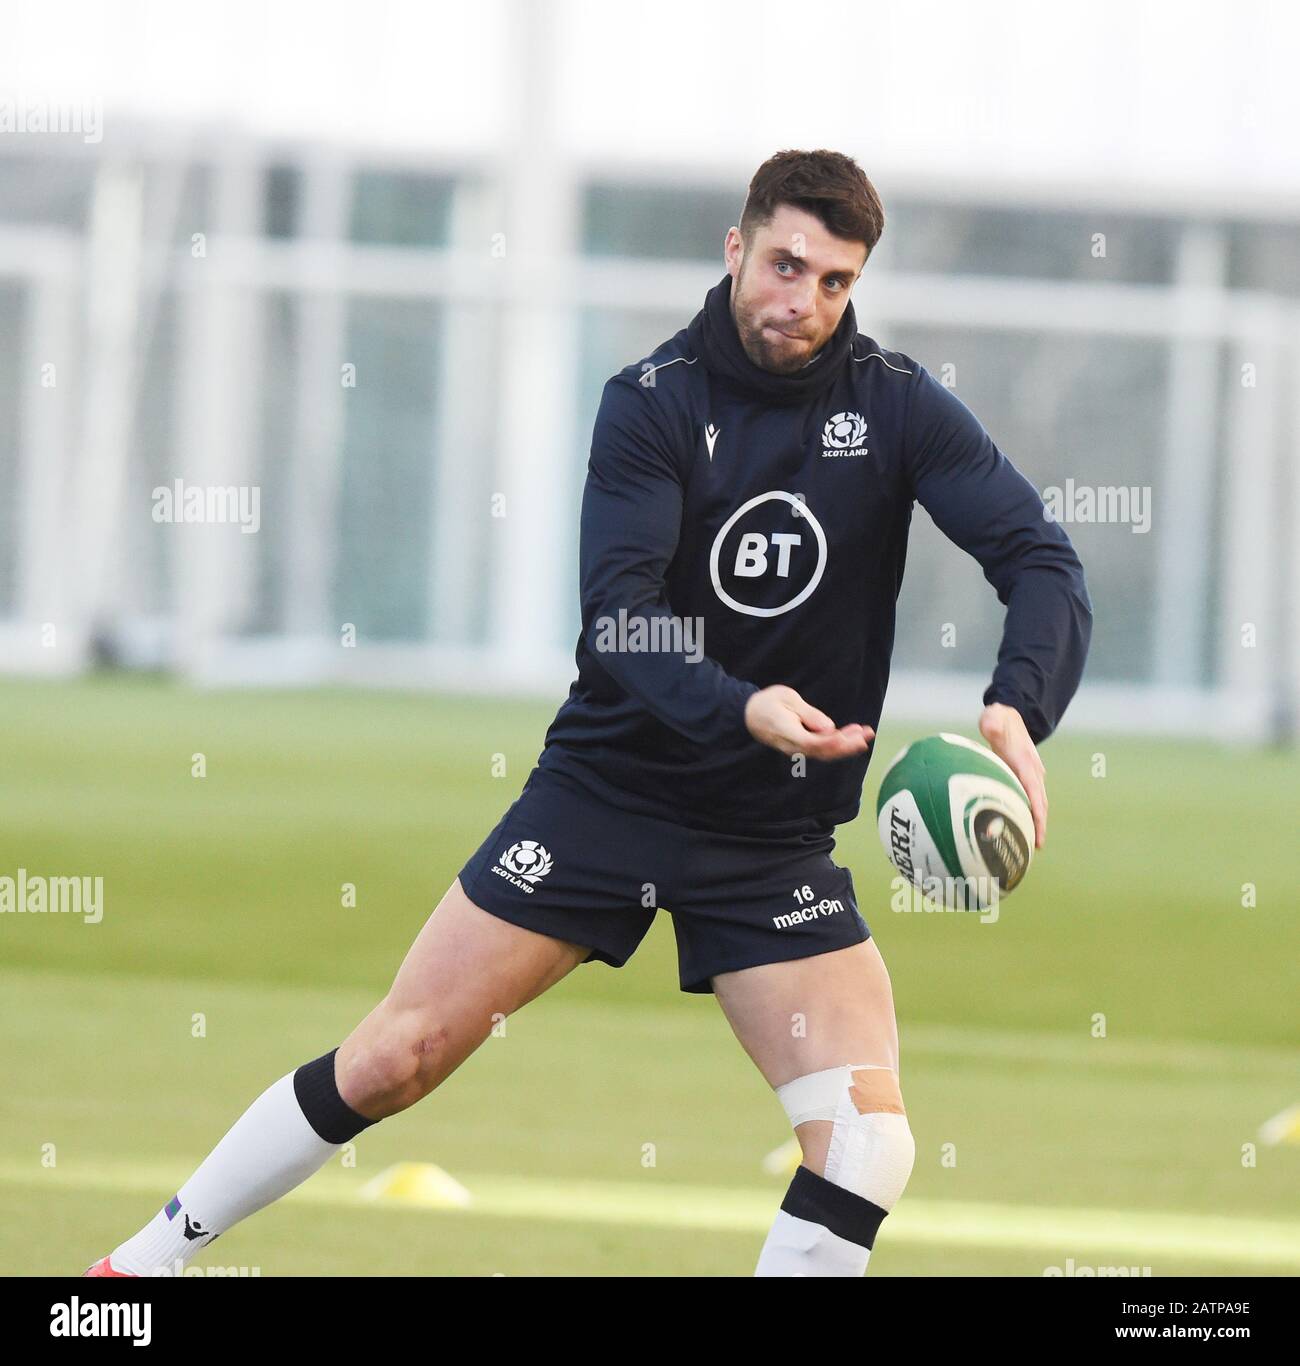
(565, 863)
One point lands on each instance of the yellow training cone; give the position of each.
(1283, 1128)
(782, 1161)
(417, 1183)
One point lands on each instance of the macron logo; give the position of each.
(711, 436)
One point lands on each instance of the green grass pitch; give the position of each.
(1036, 1141)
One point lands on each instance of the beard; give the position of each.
(761, 347)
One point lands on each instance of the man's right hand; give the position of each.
(779, 717)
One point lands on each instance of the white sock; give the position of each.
(827, 1225)
(796, 1247)
(270, 1150)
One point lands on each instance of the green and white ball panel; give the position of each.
(950, 809)
(912, 849)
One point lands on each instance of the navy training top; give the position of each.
(742, 528)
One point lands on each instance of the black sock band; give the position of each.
(847, 1215)
(327, 1112)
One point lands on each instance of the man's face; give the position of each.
(790, 287)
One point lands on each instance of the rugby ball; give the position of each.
(955, 822)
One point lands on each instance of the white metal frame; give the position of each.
(535, 427)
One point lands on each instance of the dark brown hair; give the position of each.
(829, 185)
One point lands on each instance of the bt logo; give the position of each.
(767, 555)
(751, 558)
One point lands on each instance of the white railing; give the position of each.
(508, 388)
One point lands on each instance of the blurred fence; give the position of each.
(403, 360)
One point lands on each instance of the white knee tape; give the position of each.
(871, 1154)
(817, 1096)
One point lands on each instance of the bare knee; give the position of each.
(393, 1059)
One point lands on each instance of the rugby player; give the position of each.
(743, 535)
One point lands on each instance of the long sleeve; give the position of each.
(631, 522)
(980, 501)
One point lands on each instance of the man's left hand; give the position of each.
(1004, 730)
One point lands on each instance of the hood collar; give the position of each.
(713, 337)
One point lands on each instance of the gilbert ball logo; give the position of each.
(844, 431)
(528, 859)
